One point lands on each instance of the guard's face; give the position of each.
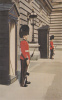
(26, 37)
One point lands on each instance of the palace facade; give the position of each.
(13, 14)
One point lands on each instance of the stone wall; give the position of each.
(43, 17)
(56, 24)
(42, 9)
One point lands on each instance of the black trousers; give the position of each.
(23, 72)
(51, 53)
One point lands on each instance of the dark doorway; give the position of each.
(12, 47)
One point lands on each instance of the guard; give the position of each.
(51, 47)
(25, 55)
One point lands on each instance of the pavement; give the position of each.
(46, 82)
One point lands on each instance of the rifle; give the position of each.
(32, 54)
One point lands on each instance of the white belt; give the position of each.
(26, 50)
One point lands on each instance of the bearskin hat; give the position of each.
(51, 37)
(24, 30)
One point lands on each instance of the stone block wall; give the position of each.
(56, 24)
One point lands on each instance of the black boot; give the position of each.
(27, 82)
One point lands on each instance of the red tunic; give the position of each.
(51, 45)
(24, 50)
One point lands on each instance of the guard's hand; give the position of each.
(27, 62)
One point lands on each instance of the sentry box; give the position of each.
(43, 40)
(8, 42)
